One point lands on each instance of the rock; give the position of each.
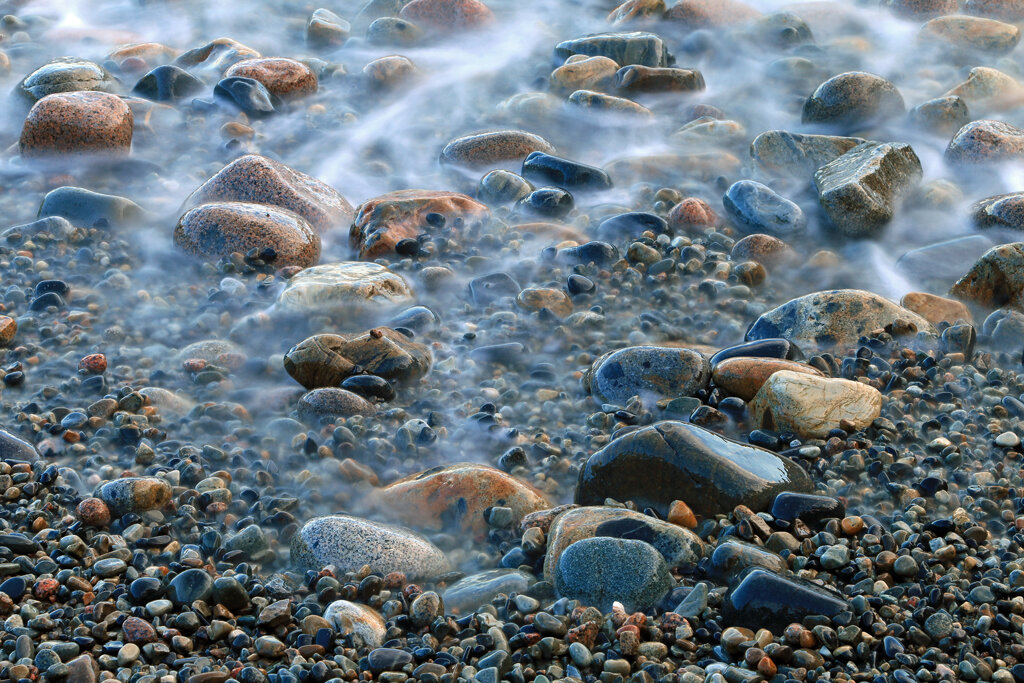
(744, 377)
(1004, 10)
(247, 95)
(631, 225)
(942, 115)
(989, 88)
(86, 208)
(645, 49)
(601, 253)
(796, 155)
(251, 541)
(974, 33)
(599, 103)
(75, 123)
(660, 463)
(935, 309)
(853, 100)
(680, 547)
(545, 298)
(393, 31)
(812, 406)
(545, 202)
(382, 222)
(135, 494)
(478, 589)
(766, 600)
(810, 508)
(764, 249)
(325, 360)
(387, 659)
(860, 190)
(833, 319)
(325, 29)
(349, 543)
(456, 497)
(921, 9)
(637, 78)
(388, 73)
(213, 58)
(261, 180)
(571, 175)
(758, 208)
(496, 148)
(332, 402)
(210, 350)
(636, 11)
(217, 230)
(67, 74)
(284, 78)
(168, 83)
(83, 669)
(349, 618)
(447, 15)
(583, 73)
(342, 286)
(731, 557)
(148, 53)
(996, 279)
(762, 348)
(985, 141)
(651, 372)
(942, 262)
(600, 571)
(486, 289)
(1000, 211)
(780, 30)
(703, 14)
(189, 586)
(502, 187)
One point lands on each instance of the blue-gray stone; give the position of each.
(600, 571)
(759, 209)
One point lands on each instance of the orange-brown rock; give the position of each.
(554, 300)
(692, 212)
(447, 15)
(382, 222)
(388, 72)
(324, 360)
(486, 150)
(680, 514)
(152, 54)
(77, 123)
(216, 230)
(936, 309)
(698, 14)
(216, 56)
(8, 328)
(286, 78)
(743, 377)
(764, 249)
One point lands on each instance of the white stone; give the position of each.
(351, 618)
(345, 284)
(1008, 440)
(811, 406)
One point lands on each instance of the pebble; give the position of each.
(600, 571)
(77, 123)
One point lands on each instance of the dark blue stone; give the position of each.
(761, 348)
(807, 507)
(488, 288)
(548, 169)
(600, 253)
(167, 83)
(247, 94)
(766, 600)
(758, 208)
(631, 224)
(548, 202)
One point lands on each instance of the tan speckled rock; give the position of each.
(582, 72)
(214, 57)
(447, 15)
(812, 406)
(218, 229)
(325, 29)
(286, 78)
(324, 360)
(697, 14)
(494, 148)
(389, 72)
(332, 402)
(554, 300)
(77, 123)
(764, 249)
(935, 309)
(153, 54)
(260, 180)
(382, 222)
(744, 376)
(343, 285)
(633, 12)
(996, 279)
(352, 618)
(975, 33)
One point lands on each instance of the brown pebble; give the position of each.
(680, 514)
(286, 78)
(447, 15)
(77, 123)
(94, 512)
(8, 328)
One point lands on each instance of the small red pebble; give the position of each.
(94, 512)
(194, 364)
(46, 589)
(96, 363)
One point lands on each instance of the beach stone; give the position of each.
(1004, 10)
(832, 319)
(631, 225)
(382, 222)
(150, 53)
(496, 148)
(343, 285)
(942, 115)
(350, 618)
(213, 58)
(388, 73)
(210, 350)
(447, 15)
(637, 78)
(996, 279)
(636, 11)
(325, 29)
(87, 208)
(217, 230)
(168, 83)
(77, 123)
(601, 103)
(758, 208)
(989, 88)
(703, 14)
(258, 179)
(502, 187)
(860, 190)
(679, 546)
(651, 372)
(637, 47)
(810, 508)
(332, 402)
(546, 298)
(764, 599)
(248, 95)
(189, 586)
(935, 309)
(583, 73)
(325, 360)
(284, 78)
(975, 33)
(764, 249)
(138, 630)
(797, 155)
(547, 169)
(393, 31)
(921, 9)
(744, 377)
(480, 588)
(600, 571)
(985, 141)
(1000, 211)
(349, 543)
(457, 497)
(853, 100)
(811, 405)
(691, 212)
(135, 494)
(67, 74)
(659, 463)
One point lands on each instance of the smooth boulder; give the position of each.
(344, 285)
(757, 208)
(651, 372)
(996, 279)
(601, 571)
(812, 406)
(853, 100)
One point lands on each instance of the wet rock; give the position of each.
(599, 103)
(537, 298)
(478, 589)
(984, 142)
(700, 14)
(631, 225)
(260, 180)
(942, 262)
(651, 372)
(766, 600)
(636, 12)
(189, 586)
(393, 31)
(853, 100)
(447, 15)
(325, 29)
(216, 230)
(762, 348)
(782, 30)
(284, 78)
(645, 49)
(779, 152)
(1000, 211)
(975, 33)
(493, 287)
(657, 464)
(833, 319)
(942, 115)
(382, 222)
(545, 202)
(332, 402)
(764, 249)
(731, 557)
(812, 406)
(744, 377)
(86, 208)
(758, 208)
(810, 508)
(680, 547)
(343, 285)
(583, 73)
(248, 95)
(168, 83)
(325, 360)
(600, 253)
(860, 190)
(213, 58)
(135, 494)
(349, 618)
(571, 175)
(1004, 10)
(494, 148)
(600, 571)
(350, 542)
(935, 309)
(389, 73)
(67, 74)
(996, 279)
(922, 9)
(456, 497)
(502, 187)
(637, 78)
(77, 123)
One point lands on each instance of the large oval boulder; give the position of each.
(853, 100)
(382, 222)
(651, 372)
(217, 230)
(812, 406)
(601, 571)
(345, 285)
(986, 142)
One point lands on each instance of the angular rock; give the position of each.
(667, 461)
(758, 208)
(600, 571)
(645, 49)
(942, 115)
(217, 230)
(797, 155)
(168, 83)
(985, 142)
(744, 377)
(812, 406)
(996, 279)
(74, 123)
(345, 285)
(989, 88)
(67, 74)
(651, 372)
(325, 360)
(766, 600)
(853, 100)
(284, 78)
(350, 618)
(479, 589)
(975, 33)
(860, 190)
(496, 148)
